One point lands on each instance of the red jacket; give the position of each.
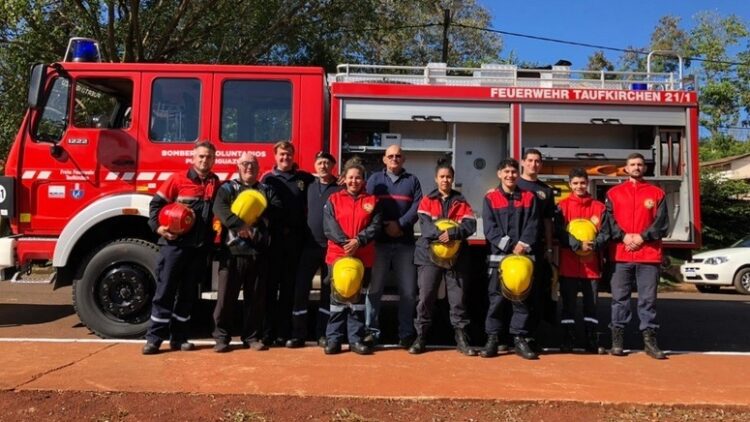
(345, 217)
(573, 265)
(188, 188)
(638, 207)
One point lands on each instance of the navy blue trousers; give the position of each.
(506, 316)
(178, 271)
(312, 260)
(347, 320)
(646, 278)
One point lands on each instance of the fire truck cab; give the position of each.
(99, 138)
(97, 141)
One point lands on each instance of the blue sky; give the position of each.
(612, 24)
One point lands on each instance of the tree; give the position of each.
(712, 39)
(419, 39)
(723, 209)
(314, 32)
(667, 36)
(724, 86)
(721, 146)
(598, 61)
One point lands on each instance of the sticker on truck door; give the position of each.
(56, 192)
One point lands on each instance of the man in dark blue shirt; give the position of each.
(287, 238)
(313, 255)
(399, 193)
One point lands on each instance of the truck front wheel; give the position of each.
(113, 296)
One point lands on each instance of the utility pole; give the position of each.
(446, 24)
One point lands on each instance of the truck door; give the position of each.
(174, 113)
(89, 116)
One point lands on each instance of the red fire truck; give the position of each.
(99, 138)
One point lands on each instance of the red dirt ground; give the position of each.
(113, 382)
(68, 405)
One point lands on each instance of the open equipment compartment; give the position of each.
(599, 140)
(472, 136)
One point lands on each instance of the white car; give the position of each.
(722, 267)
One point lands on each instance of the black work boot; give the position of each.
(361, 348)
(592, 341)
(649, 344)
(618, 342)
(568, 338)
(462, 343)
(332, 348)
(150, 348)
(490, 348)
(534, 345)
(419, 346)
(523, 349)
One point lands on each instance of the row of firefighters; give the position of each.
(276, 231)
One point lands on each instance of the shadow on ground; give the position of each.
(16, 314)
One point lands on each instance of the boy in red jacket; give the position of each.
(580, 261)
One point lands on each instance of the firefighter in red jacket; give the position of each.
(440, 255)
(638, 222)
(580, 258)
(351, 220)
(183, 259)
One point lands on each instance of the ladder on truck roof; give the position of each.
(494, 74)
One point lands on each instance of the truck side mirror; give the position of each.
(36, 85)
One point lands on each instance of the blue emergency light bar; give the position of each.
(82, 50)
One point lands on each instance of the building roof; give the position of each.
(725, 160)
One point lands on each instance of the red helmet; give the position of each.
(178, 217)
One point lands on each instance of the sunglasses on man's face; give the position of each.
(246, 164)
(393, 156)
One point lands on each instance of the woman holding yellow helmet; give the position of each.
(446, 220)
(351, 220)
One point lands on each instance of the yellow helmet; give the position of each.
(516, 272)
(445, 250)
(346, 278)
(249, 205)
(583, 230)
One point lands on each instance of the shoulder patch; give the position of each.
(648, 203)
(541, 195)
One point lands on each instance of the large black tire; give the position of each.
(708, 288)
(742, 281)
(113, 296)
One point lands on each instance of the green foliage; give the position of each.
(598, 61)
(721, 146)
(302, 32)
(725, 213)
(724, 89)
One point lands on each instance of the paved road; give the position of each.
(690, 321)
